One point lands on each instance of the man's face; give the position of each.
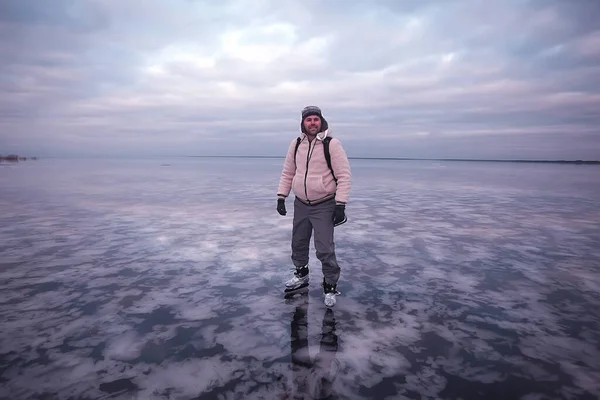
(312, 124)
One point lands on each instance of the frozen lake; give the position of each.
(128, 279)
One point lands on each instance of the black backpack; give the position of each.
(325, 149)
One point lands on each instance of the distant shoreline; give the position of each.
(15, 158)
(577, 162)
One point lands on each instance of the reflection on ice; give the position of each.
(312, 374)
(128, 280)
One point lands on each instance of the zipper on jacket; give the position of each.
(306, 172)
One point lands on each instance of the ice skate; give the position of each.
(330, 292)
(298, 284)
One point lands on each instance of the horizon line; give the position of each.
(516, 160)
(429, 159)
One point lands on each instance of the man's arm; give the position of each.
(341, 167)
(287, 173)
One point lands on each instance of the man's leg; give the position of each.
(301, 234)
(321, 217)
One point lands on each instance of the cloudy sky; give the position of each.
(406, 78)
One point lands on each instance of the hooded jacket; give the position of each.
(310, 178)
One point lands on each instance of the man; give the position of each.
(320, 201)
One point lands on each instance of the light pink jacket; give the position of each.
(310, 179)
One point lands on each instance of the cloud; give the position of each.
(196, 77)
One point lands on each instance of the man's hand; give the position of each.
(281, 206)
(339, 216)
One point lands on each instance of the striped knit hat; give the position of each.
(313, 110)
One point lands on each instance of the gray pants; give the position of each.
(320, 218)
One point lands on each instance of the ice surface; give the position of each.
(126, 279)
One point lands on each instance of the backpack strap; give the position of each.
(328, 156)
(296, 150)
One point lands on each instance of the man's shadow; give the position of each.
(313, 378)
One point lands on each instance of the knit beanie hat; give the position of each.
(313, 110)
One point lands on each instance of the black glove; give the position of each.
(281, 207)
(339, 216)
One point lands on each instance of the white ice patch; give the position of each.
(191, 378)
(196, 312)
(373, 348)
(124, 347)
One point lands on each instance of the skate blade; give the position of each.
(292, 292)
(291, 298)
